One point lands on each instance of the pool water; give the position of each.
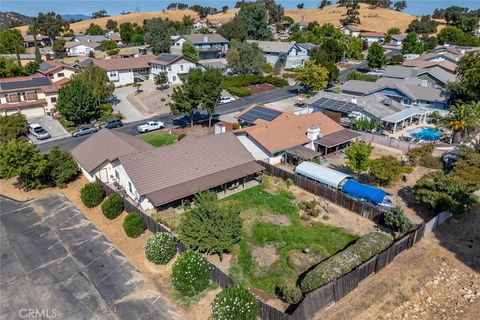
(425, 133)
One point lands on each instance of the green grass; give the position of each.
(159, 138)
(322, 240)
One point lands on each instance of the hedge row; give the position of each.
(345, 261)
(242, 81)
(239, 91)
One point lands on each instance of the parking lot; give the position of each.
(52, 126)
(56, 264)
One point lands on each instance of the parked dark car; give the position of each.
(84, 131)
(112, 123)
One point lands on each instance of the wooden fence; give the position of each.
(321, 297)
(387, 141)
(364, 209)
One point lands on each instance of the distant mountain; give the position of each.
(78, 17)
(13, 19)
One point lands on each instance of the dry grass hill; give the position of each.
(371, 19)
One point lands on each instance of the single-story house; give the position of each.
(441, 56)
(220, 64)
(397, 39)
(123, 71)
(372, 37)
(255, 114)
(58, 73)
(165, 176)
(32, 96)
(42, 41)
(350, 30)
(176, 66)
(418, 63)
(302, 137)
(115, 36)
(89, 38)
(434, 75)
(77, 48)
(24, 57)
(295, 55)
(209, 46)
(307, 46)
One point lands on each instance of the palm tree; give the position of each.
(462, 118)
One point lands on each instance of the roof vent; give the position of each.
(354, 100)
(424, 83)
(387, 102)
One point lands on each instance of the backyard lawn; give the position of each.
(159, 138)
(270, 252)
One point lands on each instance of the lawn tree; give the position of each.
(190, 51)
(352, 14)
(245, 58)
(233, 29)
(212, 91)
(431, 43)
(76, 102)
(376, 56)
(59, 49)
(255, 18)
(112, 25)
(50, 24)
(358, 154)
(209, 227)
(11, 41)
(97, 80)
(126, 32)
(62, 167)
(94, 30)
(400, 5)
(444, 192)
(461, 118)
(411, 44)
(353, 47)
(390, 33)
(321, 57)
(106, 45)
(158, 35)
(161, 79)
(12, 126)
(451, 35)
(313, 76)
(468, 73)
(181, 103)
(385, 170)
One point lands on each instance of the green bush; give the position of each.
(191, 273)
(134, 225)
(112, 206)
(239, 91)
(160, 248)
(396, 220)
(414, 155)
(385, 170)
(92, 194)
(429, 161)
(345, 261)
(235, 303)
(355, 75)
(291, 294)
(106, 107)
(242, 81)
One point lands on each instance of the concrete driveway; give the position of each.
(121, 104)
(56, 130)
(56, 264)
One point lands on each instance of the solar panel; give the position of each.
(45, 66)
(34, 82)
(260, 112)
(165, 57)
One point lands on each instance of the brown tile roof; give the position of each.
(73, 44)
(372, 34)
(51, 66)
(107, 145)
(140, 62)
(283, 134)
(188, 161)
(23, 104)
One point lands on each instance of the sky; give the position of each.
(115, 7)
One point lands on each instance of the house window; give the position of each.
(169, 68)
(117, 175)
(174, 78)
(31, 96)
(130, 187)
(53, 99)
(181, 67)
(113, 73)
(61, 75)
(13, 97)
(50, 75)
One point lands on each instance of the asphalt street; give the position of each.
(344, 72)
(57, 265)
(130, 128)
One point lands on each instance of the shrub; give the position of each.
(92, 194)
(113, 52)
(160, 248)
(289, 182)
(429, 161)
(310, 207)
(239, 91)
(396, 220)
(286, 193)
(112, 206)
(191, 273)
(356, 75)
(385, 170)
(345, 261)
(106, 107)
(414, 155)
(236, 126)
(242, 81)
(235, 302)
(407, 170)
(291, 294)
(268, 68)
(134, 225)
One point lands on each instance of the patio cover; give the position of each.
(188, 188)
(404, 114)
(337, 138)
(303, 152)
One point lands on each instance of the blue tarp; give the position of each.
(363, 191)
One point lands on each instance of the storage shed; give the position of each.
(330, 177)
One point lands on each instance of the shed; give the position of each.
(321, 174)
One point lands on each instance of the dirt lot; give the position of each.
(437, 279)
(157, 278)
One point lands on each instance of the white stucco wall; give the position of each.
(79, 50)
(174, 71)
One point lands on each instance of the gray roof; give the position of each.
(24, 83)
(307, 46)
(87, 38)
(435, 55)
(439, 73)
(274, 46)
(184, 161)
(204, 38)
(44, 66)
(399, 37)
(26, 56)
(404, 114)
(220, 63)
(73, 44)
(399, 72)
(358, 86)
(107, 145)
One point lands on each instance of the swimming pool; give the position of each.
(426, 133)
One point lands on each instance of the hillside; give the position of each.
(371, 19)
(9, 19)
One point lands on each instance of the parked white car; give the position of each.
(38, 132)
(150, 126)
(226, 100)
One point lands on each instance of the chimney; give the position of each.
(205, 38)
(219, 128)
(313, 133)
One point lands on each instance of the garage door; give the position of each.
(9, 112)
(33, 112)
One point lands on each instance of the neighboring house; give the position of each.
(24, 57)
(302, 137)
(445, 65)
(397, 39)
(88, 38)
(372, 37)
(256, 114)
(175, 66)
(82, 64)
(272, 50)
(58, 73)
(441, 56)
(307, 46)
(220, 64)
(115, 36)
(350, 30)
(165, 176)
(123, 71)
(209, 46)
(413, 92)
(434, 75)
(32, 96)
(42, 41)
(77, 48)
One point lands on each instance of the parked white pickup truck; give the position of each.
(150, 126)
(38, 132)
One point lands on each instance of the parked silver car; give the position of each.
(84, 131)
